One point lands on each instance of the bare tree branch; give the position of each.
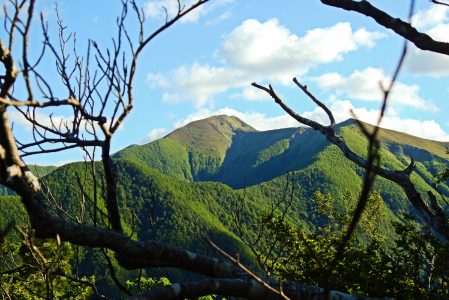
(402, 28)
(245, 288)
(401, 177)
(247, 271)
(439, 2)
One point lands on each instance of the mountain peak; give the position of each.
(226, 120)
(212, 136)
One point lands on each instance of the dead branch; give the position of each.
(259, 280)
(439, 2)
(93, 93)
(245, 288)
(402, 28)
(400, 177)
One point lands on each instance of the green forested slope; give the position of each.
(191, 183)
(167, 208)
(245, 157)
(194, 152)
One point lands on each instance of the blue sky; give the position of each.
(204, 65)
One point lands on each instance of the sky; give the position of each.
(204, 65)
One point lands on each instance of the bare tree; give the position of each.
(98, 90)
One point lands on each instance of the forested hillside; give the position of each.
(249, 157)
(182, 189)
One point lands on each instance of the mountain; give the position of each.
(193, 152)
(219, 148)
(225, 149)
(193, 182)
(196, 177)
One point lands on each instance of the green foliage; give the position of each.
(274, 150)
(137, 285)
(414, 266)
(203, 166)
(41, 171)
(443, 176)
(155, 206)
(166, 155)
(226, 150)
(141, 284)
(41, 269)
(264, 156)
(12, 210)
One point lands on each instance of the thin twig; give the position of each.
(247, 271)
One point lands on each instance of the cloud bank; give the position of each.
(257, 51)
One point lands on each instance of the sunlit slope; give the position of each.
(193, 152)
(224, 149)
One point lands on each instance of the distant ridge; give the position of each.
(397, 137)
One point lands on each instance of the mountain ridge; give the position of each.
(226, 149)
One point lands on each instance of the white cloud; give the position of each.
(171, 98)
(43, 119)
(224, 16)
(433, 22)
(272, 50)
(427, 63)
(59, 123)
(198, 82)
(256, 51)
(432, 16)
(62, 162)
(364, 85)
(341, 109)
(428, 129)
(252, 94)
(155, 9)
(430, 63)
(156, 133)
(366, 38)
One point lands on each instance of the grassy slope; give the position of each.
(211, 136)
(256, 157)
(41, 170)
(395, 154)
